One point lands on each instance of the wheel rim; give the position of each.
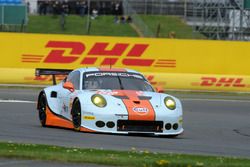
(42, 110)
(76, 116)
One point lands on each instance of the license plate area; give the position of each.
(140, 126)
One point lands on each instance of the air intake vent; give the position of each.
(139, 126)
(144, 97)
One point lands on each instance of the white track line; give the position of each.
(16, 101)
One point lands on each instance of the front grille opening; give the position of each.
(139, 126)
(137, 102)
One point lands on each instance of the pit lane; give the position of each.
(214, 125)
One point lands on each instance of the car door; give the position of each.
(67, 96)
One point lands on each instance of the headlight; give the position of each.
(98, 100)
(170, 103)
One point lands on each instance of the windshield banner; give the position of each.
(113, 74)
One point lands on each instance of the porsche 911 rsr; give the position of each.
(108, 100)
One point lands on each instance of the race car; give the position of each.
(108, 100)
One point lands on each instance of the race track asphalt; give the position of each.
(26, 163)
(214, 125)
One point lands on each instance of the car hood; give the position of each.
(138, 105)
(137, 97)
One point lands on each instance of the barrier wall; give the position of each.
(172, 64)
(205, 82)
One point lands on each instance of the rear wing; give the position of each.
(53, 72)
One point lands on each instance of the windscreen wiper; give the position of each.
(120, 82)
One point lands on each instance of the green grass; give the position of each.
(103, 25)
(170, 24)
(133, 158)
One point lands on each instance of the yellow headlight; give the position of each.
(170, 103)
(98, 100)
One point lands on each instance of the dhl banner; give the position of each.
(205, 82)
(142, 54)
(200, 64)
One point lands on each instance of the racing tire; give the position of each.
(76, 115)
(42, 104)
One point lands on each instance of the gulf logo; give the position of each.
(141, 110)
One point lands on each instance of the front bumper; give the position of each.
(120, 124)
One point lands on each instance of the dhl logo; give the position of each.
(45, 78)
(154, 82)
(107, 52)
(221, 82)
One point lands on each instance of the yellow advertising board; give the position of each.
(168, 63)
(142, 54)
(174, 81)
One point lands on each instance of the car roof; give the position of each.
(106, 69)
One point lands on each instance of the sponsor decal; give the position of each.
(180, 120)
(103, 92)
(89, 117)
(65, 108)
(89, 113)
(113, 74)
(141, 110)
(99, 54)
(221, 82)
(71, 104)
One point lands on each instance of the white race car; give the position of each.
(108, 100)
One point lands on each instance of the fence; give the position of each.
(161, 7)
(13, 15)
(128, 10)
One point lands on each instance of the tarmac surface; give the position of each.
(27, 163)
(214, 125)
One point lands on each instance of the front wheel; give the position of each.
(76, 115)
(42, 103)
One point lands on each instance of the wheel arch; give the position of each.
(78, 119)
(75, 99)
(39, 96)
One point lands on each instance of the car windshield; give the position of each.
(115, 81)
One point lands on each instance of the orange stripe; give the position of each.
(134, 106)
(53, 120)
(83, 129)
(133, 115)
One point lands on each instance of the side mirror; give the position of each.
(159, 90)
(69, 86)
